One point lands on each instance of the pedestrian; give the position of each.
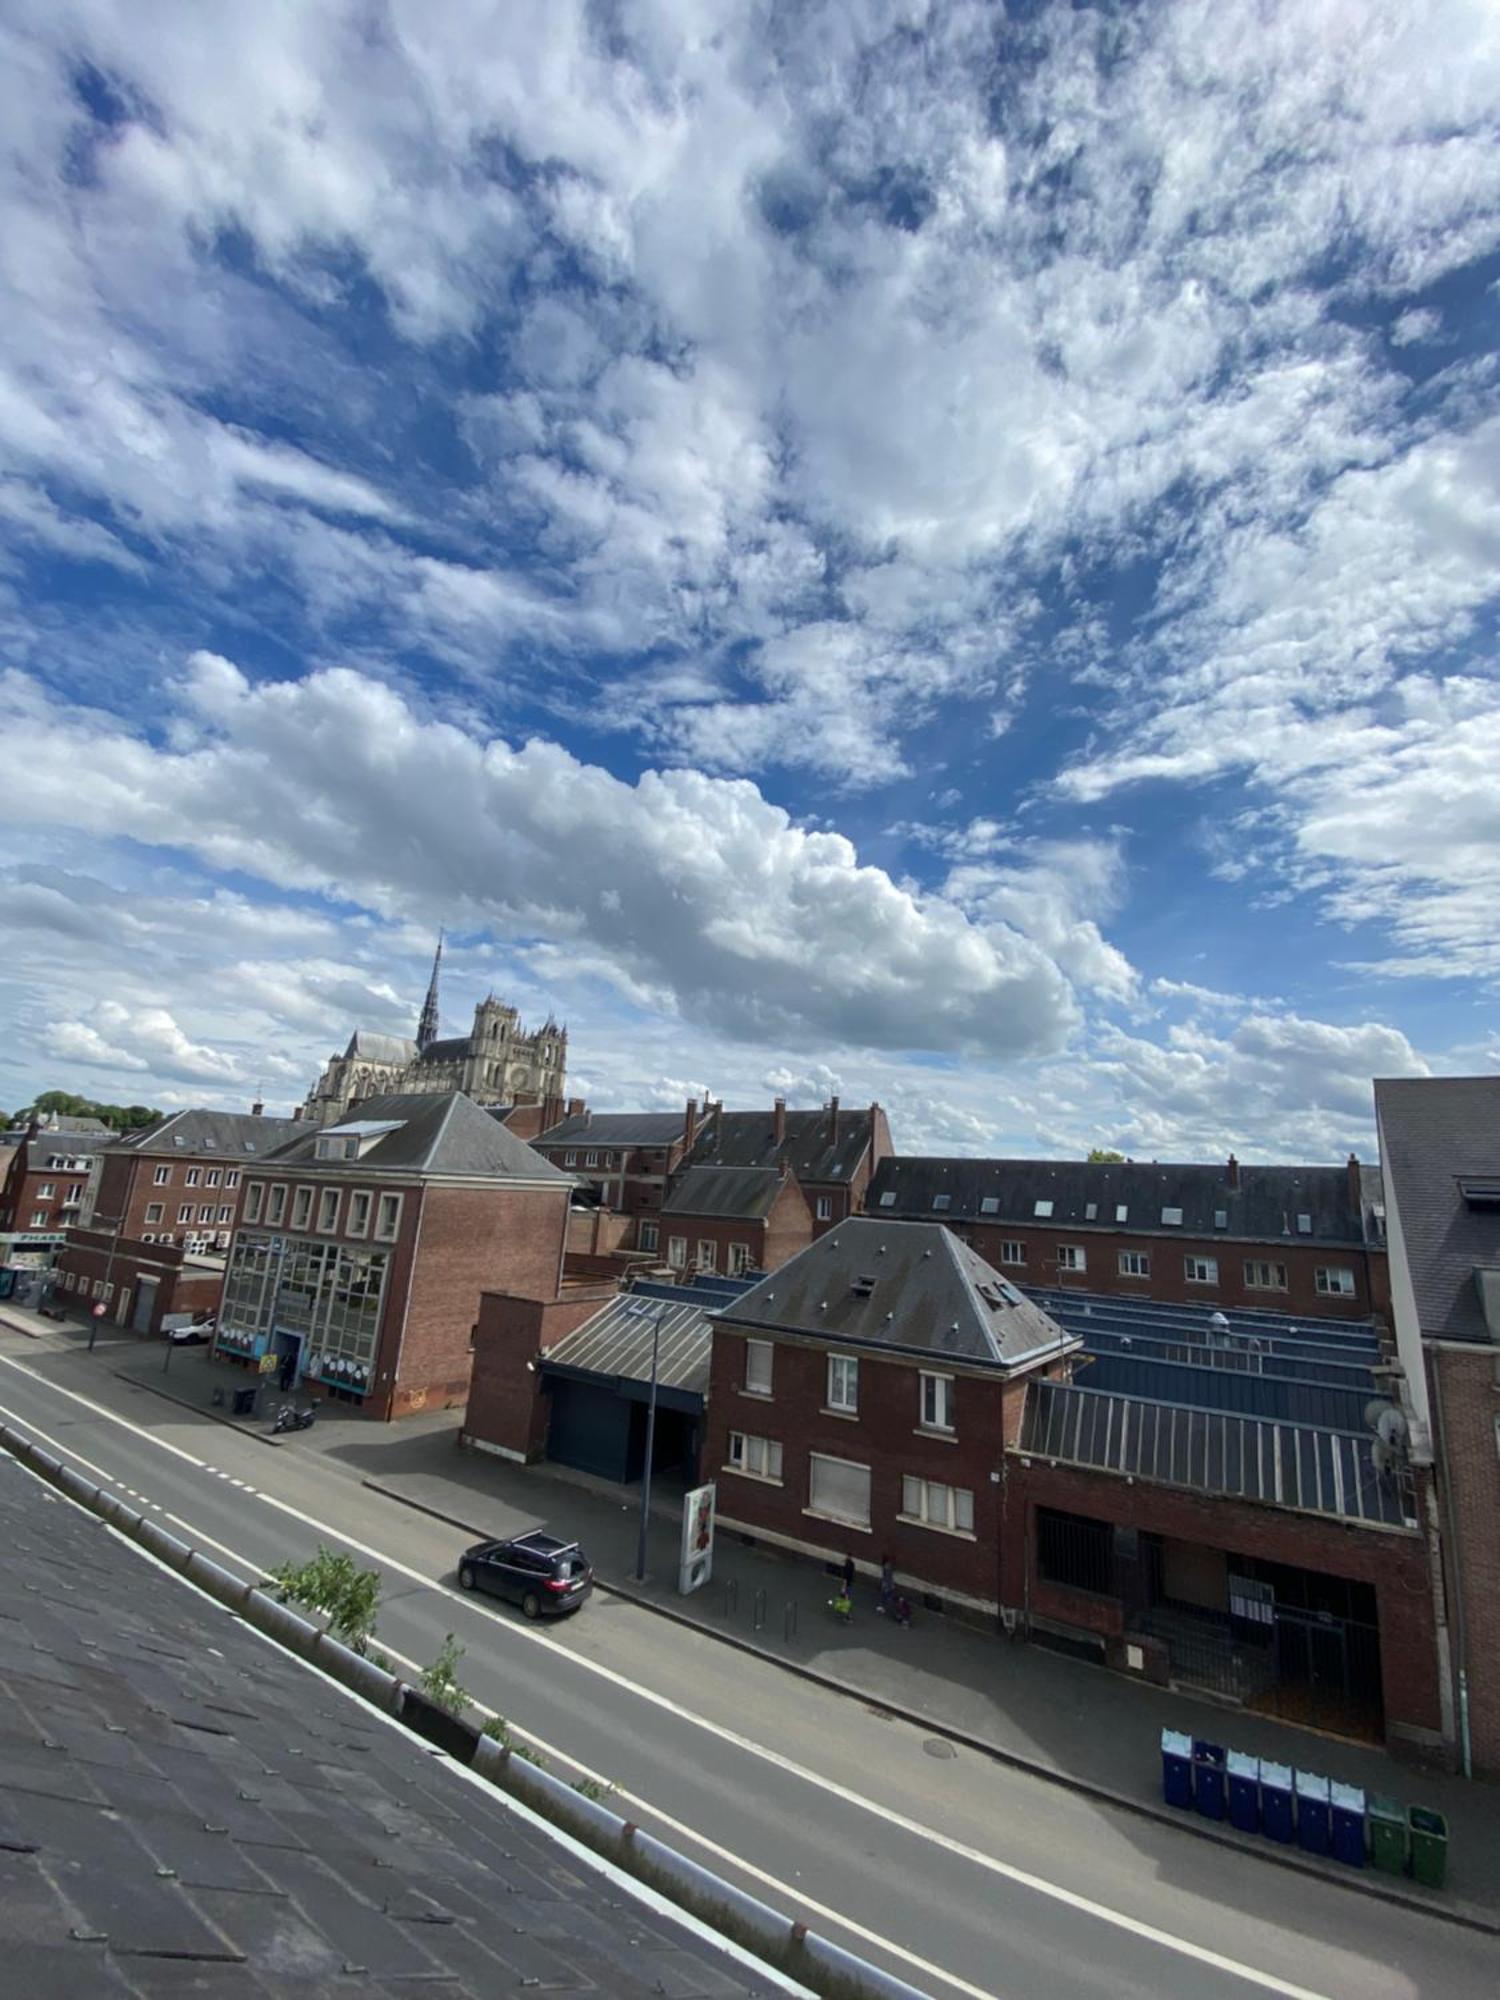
(847, 1573)
(887, 1585)
(840, 1604)
(288, 1370)
(901, 1609)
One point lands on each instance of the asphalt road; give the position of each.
(959, 1874)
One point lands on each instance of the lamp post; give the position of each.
(102, 1305)
(642, 1311)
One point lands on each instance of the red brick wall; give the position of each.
(1167, 1280)
(507, 1407)
(885, 1437)
(127, 1189)
(1468, 1388)
(1396, 1564)
(27, 1174)
(471, 1240)
(87, 1257)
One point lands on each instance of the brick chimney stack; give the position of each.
(833, 1121)
(1232, 1172)
(257, 1109)
(689, 1125)
(1356, 1185)
(778, 1121)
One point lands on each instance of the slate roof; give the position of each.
(437, 1132)
(1432, 1131)
(617, 1342)
(910, 1287)
(1264, 1207)
(615, 1128)
(227, 1135)
(47, 1148)
(185, 1808)
(452, 1048)
(748, 1139)
(367, 1045)
(730, 1193)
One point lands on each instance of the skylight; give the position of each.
(1122, 1212)
(1043, 1209)
(1171, 1218)
(888, 1199)
(1221, 1218)
(1304, 1225)
(942, 1201)
(1090, 1211)
(990, 1205)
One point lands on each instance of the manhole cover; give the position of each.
(939, 1746)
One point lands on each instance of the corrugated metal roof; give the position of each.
(617, 1342)
(1281, 1465)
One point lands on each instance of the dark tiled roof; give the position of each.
(907, 1286)
(48, 1147)
(228, 1135)
(440, 1132)
(1432, 1130)
(1264, 1207)
(367, 1045)
(453, 1048)
(743, 1193)
(748, 1139)
(615, 1128)
(185, 1808)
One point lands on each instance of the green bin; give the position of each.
(1429, 1846)
(1387, 1819)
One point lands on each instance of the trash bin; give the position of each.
(1387, 1818)
(244, 1402)
(1429, 1846)
(1244, 1791)
(1208, 1778)
(1314, 1816)
(1177, 1768)
(1349, 1838)
(1277, 1819)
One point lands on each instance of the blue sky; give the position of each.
(942, 553)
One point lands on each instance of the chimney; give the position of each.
(1232, 1172)
(833, 1121)
(689, 1125)
(778, 1121)
(257, 1109)
(297, 1111)
(1356, 1185)
(576, 1107)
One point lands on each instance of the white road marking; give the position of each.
(1070, 1898)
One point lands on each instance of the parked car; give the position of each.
(189, 1330)
(543, 1575)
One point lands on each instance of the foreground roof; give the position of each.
(434, 1132)
(911, 1287)
(1290, 1204)
(1436, 1134)
(185, 1808)
(617, 1341)
(228, 1135)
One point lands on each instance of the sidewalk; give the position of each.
(1057, 1717)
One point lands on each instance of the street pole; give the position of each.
(109, 1265)
(640, 1552)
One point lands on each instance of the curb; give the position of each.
(232, 1423)
(1383, 1888)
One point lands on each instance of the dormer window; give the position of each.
(1477, 1190)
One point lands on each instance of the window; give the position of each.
(990, 1205)
(937, 1506)
(1304, 1225)
(211, 1178)
(1334, 1280)
(277, 1209)
(1122, 1211)
(359, 1213)
(255, 1194)
(206, 1214)
(1171, 1218)
(46, 1191)
(591, 1159)
(759, 1361)
(677, 1252)
(1091, 1211)
(301, 1208)
(825, 1208)
(570, 1159)
(185, 1213)
(75, 1192)
(1263, 1277)
(1043, 1209)
(1135, 1264)
(232, 1178)
(888, 1199)
(1221, 1218)
(1201, 1270)
(1070, 1257)
(153, 1211)
(757, 1458)
(388, 1217)
(708, 1254)
(1013, 1252)
(328, 1209)
(39, 1218)
(226, 1213)
(739, 1259)
(838, 1490)
(161, 1177)
(937, 1402)
(843, 1382)
(191, 1177)
(647, 1233)
(942, 1202)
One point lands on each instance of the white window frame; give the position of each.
(46, 1191)
(1260, 1275)
(185, 1212)
(860, 1524)
(677, 1252)
(361, 1208)
(935, 1402)
(154, 1211)
(1135, 1263)
(1013, 1251)
(328, 1210)
(232, 1177)
(707, 1258)
(211, 1178)
(205, 1212)
(302, 1202)
(162, 1177)
(843, 1385)
(591, 1159)
(570, 1158)
(387, 1208)
(755, 1457)
(192, 1177)
(760, 1362)
(1200, 1270)
(1323, 1281)
(825, 1208)
(739, 1259)
(255, 1200)
(226, 1212)
(39, 1218)
(1072, 1257)
(276, 1209)
(649, 1234)
(931, 1503)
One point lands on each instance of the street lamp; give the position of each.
(102, 1304)
(640, 1310)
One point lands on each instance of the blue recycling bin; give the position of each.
(1278, 1818)
(1314, 1812)
(1177, 1768)
(1208, 1778)
(1244, 1791)
(1347, 1803)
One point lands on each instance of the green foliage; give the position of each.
(330, 1583)
(593, 1788)
(536, 1757)
(499, 1730)
(118, 1117)
(1101, 1156)
(440, 1682)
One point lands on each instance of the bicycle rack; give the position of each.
(758, 1611)
(731, 1597)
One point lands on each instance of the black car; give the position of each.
(543, 1575)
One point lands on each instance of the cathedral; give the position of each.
(496, 1064)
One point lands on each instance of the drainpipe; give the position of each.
(1465, 1748)
(416, 1245)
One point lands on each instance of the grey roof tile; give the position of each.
(435, 1133)
(615, 1128)
(1432, 1131)
(810, 1148)
(727, 1193)
(227, 1135)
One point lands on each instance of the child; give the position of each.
(841, 1604)
(901, 1609)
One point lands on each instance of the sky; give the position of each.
(940, 553)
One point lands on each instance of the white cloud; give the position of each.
(1420, 323)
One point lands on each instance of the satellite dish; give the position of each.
(1390, 1427)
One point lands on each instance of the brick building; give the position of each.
(861, 1399)
(1440, 1153)
(51, 1181)
(364, 1247)
(625, 1158)
(733, 1220)
(140, 1285)
(1282, 1239)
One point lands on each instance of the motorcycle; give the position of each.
(290, 1418)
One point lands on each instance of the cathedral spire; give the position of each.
(427, 1027)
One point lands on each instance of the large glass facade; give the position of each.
(329, 1293)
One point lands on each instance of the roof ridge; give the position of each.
(971, 1289)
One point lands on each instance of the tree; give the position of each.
(68, 1104)
(1103, 1156)
(330, 1583)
